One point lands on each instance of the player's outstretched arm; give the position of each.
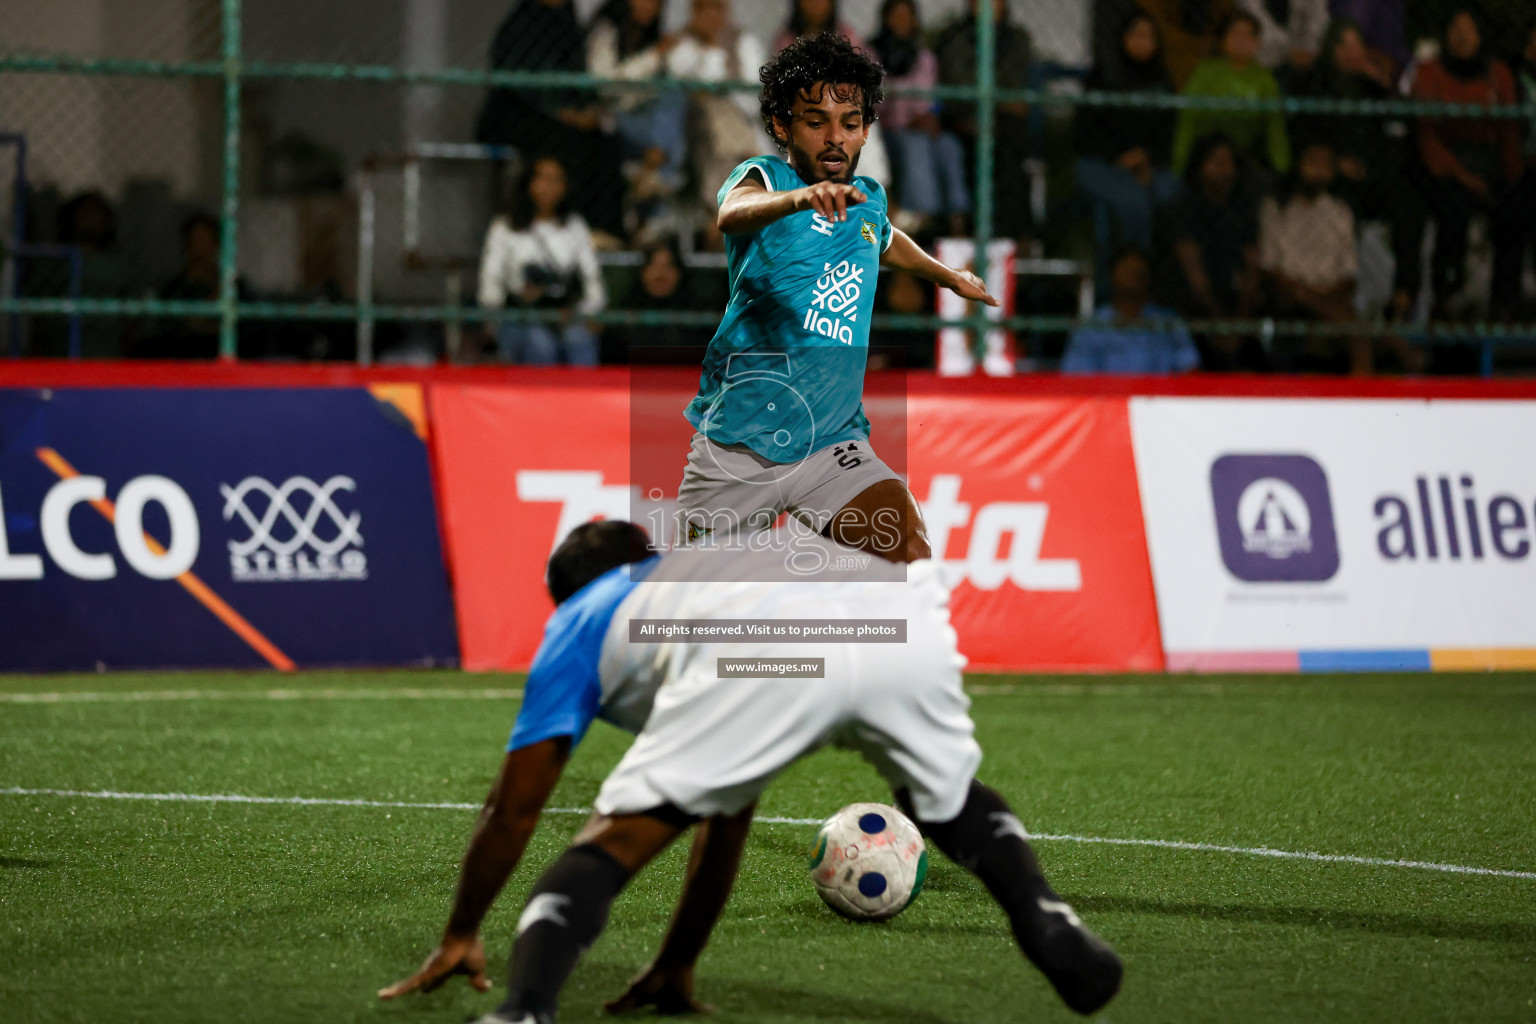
(905, 254)
(750, 206)
(667, 983)
(511, 812)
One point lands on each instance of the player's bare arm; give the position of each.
(751, 206)
(511, 813)
(905, 254)
(667, 983)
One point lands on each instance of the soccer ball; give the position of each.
(869, 862)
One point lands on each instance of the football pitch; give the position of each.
(1179, 815)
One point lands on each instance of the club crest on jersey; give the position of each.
(868, 231)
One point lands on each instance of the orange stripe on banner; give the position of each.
(1471, 659)
(194, 586)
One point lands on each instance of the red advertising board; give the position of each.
(1031, 502)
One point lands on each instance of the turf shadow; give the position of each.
(24, 862)
(1404, 925)
(738, 995)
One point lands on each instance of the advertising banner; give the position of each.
(232, 528)
(1031, 503)
(1329, 535)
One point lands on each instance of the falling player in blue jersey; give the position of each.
(779, 416)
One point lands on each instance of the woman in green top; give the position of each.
(1236, 73)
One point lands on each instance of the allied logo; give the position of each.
(821, 225)
(867, 230)
(1274, 518)
(297, 530)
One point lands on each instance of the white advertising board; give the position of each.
(1335, 534)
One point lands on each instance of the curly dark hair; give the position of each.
(828, 58)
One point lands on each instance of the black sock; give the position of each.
(987, 839)
(565, 914)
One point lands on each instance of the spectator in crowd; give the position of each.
(1474, 164)
(723, 130)
(1188, 29)
(1259, 135)
(625, 42)
(812, 18)
(929, 162)
(1129, 334)
(1383, 28)
(539, 256)
(1523, 204)
(904, 347)
(1124, 152)
(662, 286)
(955, 48)
(1375, 177)
(88, 223)
(1210, 247)
(1290, 31)
(197, 281)
(567, 124)
(1307, 250)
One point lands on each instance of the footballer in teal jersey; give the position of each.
(779, 417)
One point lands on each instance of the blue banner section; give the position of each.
(217, 528)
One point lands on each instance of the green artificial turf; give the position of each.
(115, 910)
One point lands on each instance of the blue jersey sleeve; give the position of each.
(563, 693)
(759, 164)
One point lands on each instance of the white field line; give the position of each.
(136, 696)
(1161, 844)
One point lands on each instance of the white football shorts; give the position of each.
(711, 745)
(730, 488)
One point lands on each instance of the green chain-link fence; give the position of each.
(347, 158)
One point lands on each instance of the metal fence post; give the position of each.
(229, 221)
(986, 138)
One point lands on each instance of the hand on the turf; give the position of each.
(453, 956)
(831, 199)
(669, 991)
(968, 286)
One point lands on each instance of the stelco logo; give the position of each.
(1017, 525)
(316, 541)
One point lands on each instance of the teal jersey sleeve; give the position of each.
(784, 374)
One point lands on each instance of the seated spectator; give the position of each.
(1383, 28)
(1374, 175)
(909, 348)
(625, 42)
(1290, 31)
(539, 255)
(1129, 334)
(1209, 242)
(723, 129)
(1307, 250)
(88, 223)
(1189, 31)
(1258, 135)
(197, 281)
(812, 18)
(929, 162)
(662, 286)
(568, 124)
(1523, 204)
(1124, 152)
(1474, 164)
(955, 48)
